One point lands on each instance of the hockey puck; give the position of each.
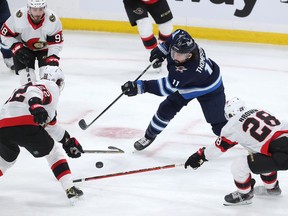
(99, 164)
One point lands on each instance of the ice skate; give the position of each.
(143, 143)
(237, 198)
(262, 191)
(73, 194)
(9, 63)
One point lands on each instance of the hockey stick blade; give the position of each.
(112, 149)
(115, 148)
(82, 124)
(129, 172)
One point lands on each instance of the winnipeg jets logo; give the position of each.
(189, 43)
(181, 69)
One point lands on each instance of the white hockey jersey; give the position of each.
(45, 35)
(15, 111)
(253, 129)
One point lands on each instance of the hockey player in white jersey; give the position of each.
(28, 119)
(33, 32)
(266, 139)
(6, 52)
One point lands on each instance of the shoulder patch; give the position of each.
(19, 14)
(52, 18)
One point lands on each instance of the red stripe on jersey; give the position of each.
(63, 174)
(35, 26)
(60, 168)
(58, 163)
(163, 37)
(17, 121)
(7, 32)
(244, 185)
(264, 149)
(1, 173)
(270, 178)
(149, 42)
(149, 1)
(147, 38)
(224, 144)
(53, 122)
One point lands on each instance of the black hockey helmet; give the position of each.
(184, 44)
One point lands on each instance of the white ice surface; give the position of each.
(96, 65)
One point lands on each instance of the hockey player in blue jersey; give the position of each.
(6, 52)
(191, 74)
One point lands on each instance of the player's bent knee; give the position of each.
(240, 169)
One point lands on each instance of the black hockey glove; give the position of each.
(23, 54)
(38, 111)
(133, 88)
(196, 160)
(156, 53)
(73, 148)
(52, 60)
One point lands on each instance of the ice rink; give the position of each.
(96, 65)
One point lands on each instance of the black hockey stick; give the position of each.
(129, 172)
(83, 125)
(112, 149)
(28, 74)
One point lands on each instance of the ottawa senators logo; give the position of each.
(19, 14)
(35, 44)
(138, 11)
(39, 45)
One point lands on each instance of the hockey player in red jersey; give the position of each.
(33, 32)
(266, 139)
(137, 12)
(28, 119)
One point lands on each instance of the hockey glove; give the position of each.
(159, 54)
(38, 111)
(52, 60)
(196, 160)
(23, 54)
(73, 148)
(133, 88)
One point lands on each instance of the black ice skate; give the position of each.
(143, 143)
(74, 193)
(237, 198)
(262, 191)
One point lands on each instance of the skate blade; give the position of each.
(74, 200)
(262, 191)
(246, 202)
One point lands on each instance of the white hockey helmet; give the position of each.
(37, 3)
(234, 106)
(55, 74)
